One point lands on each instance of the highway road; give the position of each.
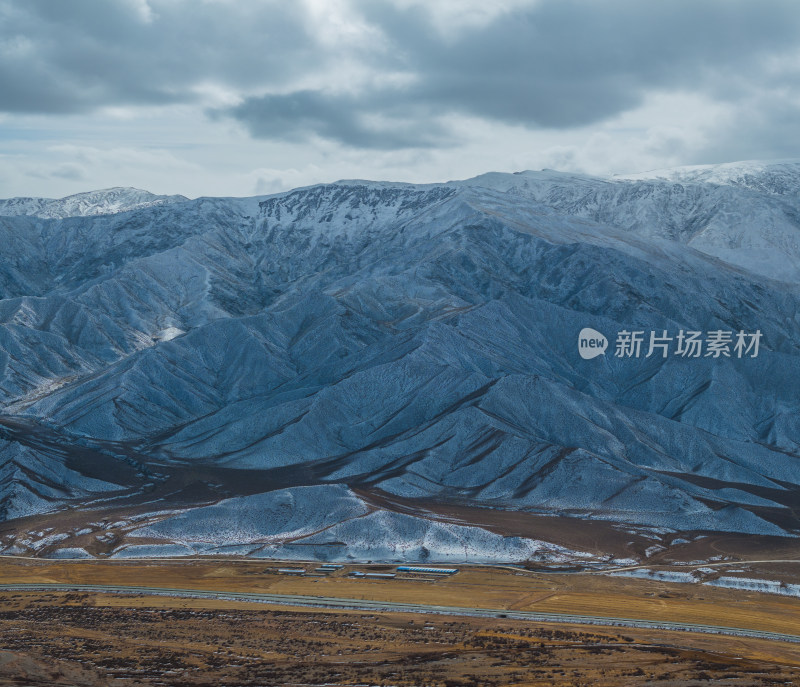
(394, 607)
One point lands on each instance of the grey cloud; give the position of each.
(766, 130)
(66, 170)
(559, 64)
(61, 57)
(69, 171)
(382, 121)
(567, 63)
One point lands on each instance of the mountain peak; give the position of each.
(100, 202)
(770, 176)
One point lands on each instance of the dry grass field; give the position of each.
(95, 639)
(501, 588)
(49, 638)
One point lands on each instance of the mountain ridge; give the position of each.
(412, 341)
(100, 202)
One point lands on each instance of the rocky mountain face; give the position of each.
(391, 371)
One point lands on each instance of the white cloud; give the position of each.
(142, 9)
(264, 181)
(452, 16)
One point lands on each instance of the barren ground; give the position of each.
(95, 639)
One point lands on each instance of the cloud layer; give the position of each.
(397, 75)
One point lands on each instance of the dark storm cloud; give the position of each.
(557, 64)
(566, 63)
(387, 123)
(75, 56)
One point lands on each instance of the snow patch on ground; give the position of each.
(69, 553)
(658, 575)
(331, 523)
(755, 585)
(273, 516)
(388, 536)
(153, 551)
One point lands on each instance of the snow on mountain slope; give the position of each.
(35, 482)
(335, 524)
(778, 177)
(419, 341)
(105, 202)
(745, 213)
(396, 537)
(261, 518)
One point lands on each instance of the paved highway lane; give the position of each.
(394, 607)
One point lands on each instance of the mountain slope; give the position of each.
(745, 213)
(404, 342)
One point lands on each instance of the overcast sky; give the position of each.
(223, 97)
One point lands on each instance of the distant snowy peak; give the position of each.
(745, 213)
(775, 177)
(505, 182)
(779, 177)
(104, 202)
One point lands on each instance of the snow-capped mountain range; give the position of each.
(338, 370)
(105, 202)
